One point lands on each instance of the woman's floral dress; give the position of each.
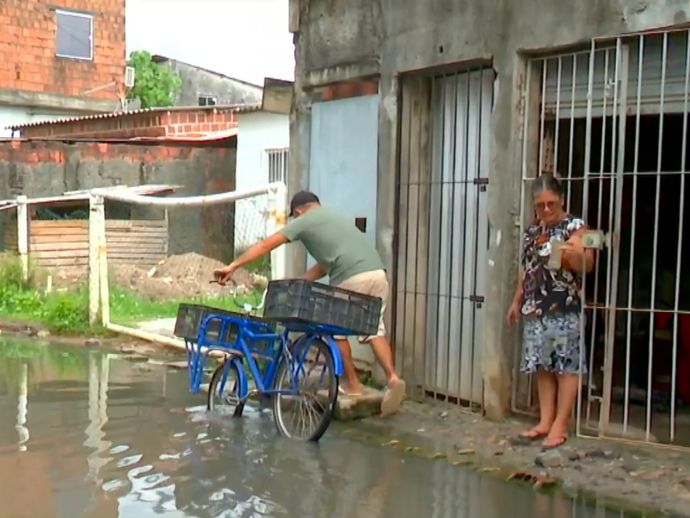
(551, 303)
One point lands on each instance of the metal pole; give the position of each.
(650, 372)
(94, 266)
(679, 260)
(277, 220)
(23, 234)
(621, 107)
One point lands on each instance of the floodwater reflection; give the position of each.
(89, 434)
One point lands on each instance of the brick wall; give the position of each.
(39, 169)
(28, 58)
(151, 123)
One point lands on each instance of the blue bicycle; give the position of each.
(297, 367)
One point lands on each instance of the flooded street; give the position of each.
(92, 434)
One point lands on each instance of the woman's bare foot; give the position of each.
(554, 441)
(535, 433)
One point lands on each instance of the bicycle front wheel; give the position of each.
(224, 389)
(307, 390)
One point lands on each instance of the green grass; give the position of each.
(128, 308)
(67, 312)
(61, 312)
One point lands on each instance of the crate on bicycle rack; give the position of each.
(297, 300)
(191, 316)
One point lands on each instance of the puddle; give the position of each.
(87, 434)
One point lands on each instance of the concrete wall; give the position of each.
(51, 168)
(198, 81)
(339, 40)
(258, 132)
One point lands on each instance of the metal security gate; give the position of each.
(443, 233)
(612, 121)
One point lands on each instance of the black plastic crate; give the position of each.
(190, 317)
(298, 300)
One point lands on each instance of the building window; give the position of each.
(74, 37)
(208, 100)
(277, 165)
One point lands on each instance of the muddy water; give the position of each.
(92, 434)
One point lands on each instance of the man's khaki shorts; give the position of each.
(375, 284)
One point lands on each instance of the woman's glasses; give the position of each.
(543, 205)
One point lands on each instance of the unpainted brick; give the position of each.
(27, 39)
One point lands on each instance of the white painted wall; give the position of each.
(11, 115)
(258, 132)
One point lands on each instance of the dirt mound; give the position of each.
(182, 276)
(178, 277)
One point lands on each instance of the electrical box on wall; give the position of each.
(130, 74)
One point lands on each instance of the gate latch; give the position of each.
(477, 299)
(482, 183)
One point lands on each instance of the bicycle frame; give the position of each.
(248, 335)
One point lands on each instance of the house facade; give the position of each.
(263, 143)
(203, 87)
(431, 120)
(58, 59)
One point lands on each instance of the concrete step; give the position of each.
(349, 408)
(368, 404)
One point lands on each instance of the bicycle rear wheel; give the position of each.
(223, 394)
(308, 390)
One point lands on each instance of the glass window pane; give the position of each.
(74, 35)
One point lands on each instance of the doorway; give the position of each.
(613, 124)
(443, 233)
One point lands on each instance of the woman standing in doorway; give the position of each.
(548, 298)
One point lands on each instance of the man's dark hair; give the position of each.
(301, 199)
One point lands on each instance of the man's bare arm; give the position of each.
(315, 273)
(260, 249)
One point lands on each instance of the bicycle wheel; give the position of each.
(223, 397)
(309, 390)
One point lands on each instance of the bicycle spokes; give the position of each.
(307, 388)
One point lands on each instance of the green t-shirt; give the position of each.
(335, 242)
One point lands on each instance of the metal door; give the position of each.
(344, 157)
(443, 233)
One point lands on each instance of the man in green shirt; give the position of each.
(343, 253)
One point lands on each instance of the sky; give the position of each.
(245, 39)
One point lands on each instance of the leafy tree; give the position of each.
(154, 84)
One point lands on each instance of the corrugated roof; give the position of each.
(127, 113)
(83, 195)
(186, 138)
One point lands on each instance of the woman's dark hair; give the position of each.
(546, 182)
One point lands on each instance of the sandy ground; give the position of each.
(634, 477)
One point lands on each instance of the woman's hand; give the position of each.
(513, 313)
(575, 256)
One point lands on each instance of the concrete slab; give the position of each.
(349, 408)
(162, 326)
